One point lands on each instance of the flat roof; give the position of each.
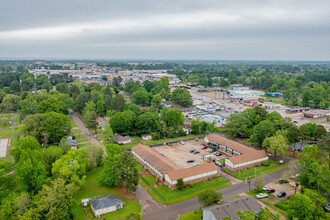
(154, 158)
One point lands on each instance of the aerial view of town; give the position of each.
(165, 110)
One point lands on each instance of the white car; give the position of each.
(265, 188)
(182, 142)
(262, 195)
(196, 164)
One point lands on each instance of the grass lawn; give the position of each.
(137, 140)
(139, 167)
(8, 133)
(73, 124)
(91, 189)
(4, 119)
(193, 215)
(81, 138)
(76, 131)
(168, 196)
(260, 170)
(169, 139)
(83, 145)
(149, 180)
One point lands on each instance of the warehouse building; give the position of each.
(240, 156)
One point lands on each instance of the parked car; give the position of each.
(196, 152)
(181, 142)
(169, 144)
(283, 181)
(192, 151)
(217, 153)
(190, 161)
(295, 122)
(262, 195)
(271, 190)
(265, 188)
(210, 150)
(161, 154)
(196, 164)
(204, 147)
(281, 161)
(281, 194)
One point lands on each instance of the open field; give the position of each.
(260, 170)
(4, 119)
(91, 189)
(179, 154)
(164, 195)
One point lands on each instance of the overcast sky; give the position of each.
(166, 29)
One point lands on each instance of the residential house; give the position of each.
(229, 208)
(106, 204)
(122, 139)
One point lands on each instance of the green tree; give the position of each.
(156, 100)
(108, 133)
(117, 103)
(30, 171)
(56, 126)
(90, 107)
(180, 184)
(58, 200)
(148, 122)
(10, 103)
(71, 167)
(122, 121)
(182, 97)
(15, 87)
(172, 118)
(28, 107)
(24, 143)
(134, 108)
(209, 197)
(50, 155)
(300, 206)
(262, 131)
(109, 176)
(140, 97)
(293, 135)
(127, 171)
(236, 126)
(276, 145)
(90, 120)
(48, 105)
(100, 108)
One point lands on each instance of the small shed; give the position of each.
(123, 139)
(85, 202)
(146, 137)
(73, 143)
(106, 204)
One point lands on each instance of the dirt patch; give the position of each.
(122, 191)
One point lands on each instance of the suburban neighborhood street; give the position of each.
(153, 210)
(89, 135)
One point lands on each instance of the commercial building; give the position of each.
(316, 113)
(296, 109)
(275, 94)
(167, 172)
(239, 156)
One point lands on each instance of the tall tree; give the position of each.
(209, 197)
(276, 145)
(262, 131)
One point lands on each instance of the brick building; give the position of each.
(240, 156)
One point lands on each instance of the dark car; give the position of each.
(192, 151)
(283, 181)
(295, 122)
(196, 152)
(190, 161)
(281, 194)
(271, 190)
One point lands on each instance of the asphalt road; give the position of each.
(152, 210)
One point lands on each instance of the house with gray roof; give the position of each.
(229, 208)
(105, 204)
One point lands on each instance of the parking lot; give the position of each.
(179, 154)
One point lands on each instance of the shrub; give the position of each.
(266, 163)
(180, 184)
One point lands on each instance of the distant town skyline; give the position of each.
(295, 30)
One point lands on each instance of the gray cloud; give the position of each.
(171, 29)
